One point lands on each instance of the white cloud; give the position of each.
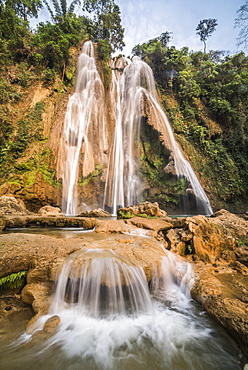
(146, 19)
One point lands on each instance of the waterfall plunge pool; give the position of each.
(159, 328)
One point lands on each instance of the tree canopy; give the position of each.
(205, 29)
(107, 17)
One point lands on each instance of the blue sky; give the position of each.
(146, 19)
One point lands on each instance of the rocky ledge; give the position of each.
(217, 246)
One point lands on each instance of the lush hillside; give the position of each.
(206, 98)
(204, 94)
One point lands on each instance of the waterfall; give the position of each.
(136, 96)
(85, 139)
(102, 287)
(84, 128)
(112, 318)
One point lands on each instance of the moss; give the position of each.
(125, 215)
(33, 166)
(13, 281)
(95, 174)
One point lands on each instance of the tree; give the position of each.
(60, 12)
(242, 22)
(108, 20)
(165, 38)
(205, 28)
(24, 8)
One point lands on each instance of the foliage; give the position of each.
(91, 177)
(125, 215)
(61, 11)
(104, 51)
(206, 97)
(205, 28)
(13, 281)
(106, 15)
(52, 42)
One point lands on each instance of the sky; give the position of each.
(146, 19)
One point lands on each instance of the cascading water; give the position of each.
(134, 91)
(111, 318)
(84, 128)
(84, 141)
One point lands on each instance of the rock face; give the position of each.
(217, 246)
(10, 206)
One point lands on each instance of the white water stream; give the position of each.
(112, 319)
(133, 96)
(134, 92)
(84, 128)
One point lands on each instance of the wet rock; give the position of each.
(14, 315)
(31, 252)
(2, 224)
(38, 295)
(150, 224)
(223, 291)
(50, 211)
(119, 226)
(145, 208)
(175, 244)
(95, 213)
(51, 324)
(48, 330)
(11, 206)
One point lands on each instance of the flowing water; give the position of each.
(84, 128)
(111, 319)
(84, 144)
(135, 94)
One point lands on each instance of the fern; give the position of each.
(13, 281)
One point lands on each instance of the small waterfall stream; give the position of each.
(85, 140)
(111, 319)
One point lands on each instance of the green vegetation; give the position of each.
(205, 96)
(91, 177)
(13, 281)
(125, 215)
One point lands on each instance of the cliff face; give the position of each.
(31, 157)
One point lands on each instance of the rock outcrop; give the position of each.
(95, 213)
(50, 211)
(145, 208)
(11, 206)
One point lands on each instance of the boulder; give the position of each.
(38, 295)
(95, 213)
(145, 208)
(50, 211)
(223, 291)
(11, 206)
(210, 241)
